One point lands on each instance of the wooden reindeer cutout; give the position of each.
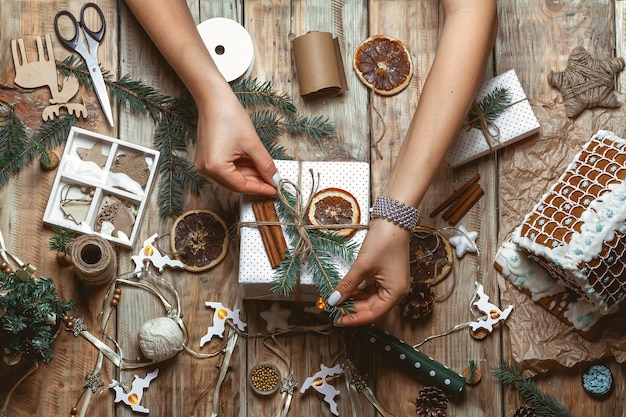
(43, 73)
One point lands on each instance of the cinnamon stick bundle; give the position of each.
(455, 195)
(272, 236)
(468, 203)
(461, 201)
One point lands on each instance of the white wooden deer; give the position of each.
(43, 73)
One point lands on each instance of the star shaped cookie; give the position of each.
(587, 82)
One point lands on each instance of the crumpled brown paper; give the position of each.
(539, 340)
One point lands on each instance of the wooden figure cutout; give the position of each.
(43, 73)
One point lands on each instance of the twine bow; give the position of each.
(478, 118)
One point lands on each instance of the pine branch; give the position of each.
(317, 127)
(62, 240)
(490, 107)
(544, 404)
(252, 93)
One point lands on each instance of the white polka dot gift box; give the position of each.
(256, 274)
(516, 122)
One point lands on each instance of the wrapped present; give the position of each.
(516, 122)
(256, 274)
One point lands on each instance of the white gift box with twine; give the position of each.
(255, 272)
(517, 122)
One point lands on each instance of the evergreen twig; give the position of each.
(544, 404)
(490, 107)
(61, 240)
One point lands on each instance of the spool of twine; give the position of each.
(160, 339)
(94, 258)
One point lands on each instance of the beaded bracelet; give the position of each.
(395, 211)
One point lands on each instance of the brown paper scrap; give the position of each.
(319, 65)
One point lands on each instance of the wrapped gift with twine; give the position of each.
(483, 134)
(256, 273)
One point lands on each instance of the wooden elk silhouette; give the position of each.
(43, 73)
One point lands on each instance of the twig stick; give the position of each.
(458, 203)
(455, 195)
(469, 203)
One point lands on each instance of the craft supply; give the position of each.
(160, 339)
(95, 261)
(114, 218)
(415, 362)
(264, 378)
(319, 65)
(43, 73)
(135, 166)
(455, 195)
(271, 235)
(230, 46)
(86, 41)
(587, 82)
(597, 381)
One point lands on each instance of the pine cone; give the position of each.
(524, 410)
(431, 402)
(418, 304)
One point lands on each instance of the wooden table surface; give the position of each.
(534, 37)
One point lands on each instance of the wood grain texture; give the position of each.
(533, 38)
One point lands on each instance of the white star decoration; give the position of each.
(464, 242)
(276, 317)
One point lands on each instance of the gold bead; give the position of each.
(8, 270)
(73, 411)
(70, 324)
(117, 297)
(114, 302)
(3, 265)
(118, 290)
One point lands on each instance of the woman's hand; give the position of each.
(384, 258)
(229, 150)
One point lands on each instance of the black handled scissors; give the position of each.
(86, 41)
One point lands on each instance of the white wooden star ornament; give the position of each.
(133, 398)
(150, 253)
(464, 242)
(492, 311)
(276, 317)
(220, 316)
(319, 383)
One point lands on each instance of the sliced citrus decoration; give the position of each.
(383, 64)
(431, 255)
(199, 238)
(334, 206)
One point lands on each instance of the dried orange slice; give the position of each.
(383, 64)
(431, 255)
(334, 206)
(199, 238)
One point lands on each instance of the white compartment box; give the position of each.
(102, 186)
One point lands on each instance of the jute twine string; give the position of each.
(95, 261)
(303, 247)
(491, 131)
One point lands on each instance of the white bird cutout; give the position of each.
(133, 398)
(493, 312)
(219, 320)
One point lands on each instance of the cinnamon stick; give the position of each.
(272, 236)
(467, 205)
(458, 203)
(455, 195)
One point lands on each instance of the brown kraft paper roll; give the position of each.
(319, 65)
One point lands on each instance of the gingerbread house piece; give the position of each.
(576, 232)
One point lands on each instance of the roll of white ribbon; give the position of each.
(230, 46)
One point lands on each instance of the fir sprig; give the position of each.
(544, 404)
(61, 240)
(319, 259)
(489, 108)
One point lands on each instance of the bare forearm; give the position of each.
(466, 41)
(171, 27)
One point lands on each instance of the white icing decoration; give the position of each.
(582, 316)
(525, 273)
